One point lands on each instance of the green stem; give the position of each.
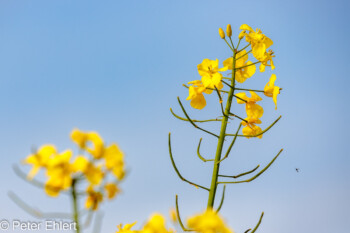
(75, 206)
(221, 139)
(228, 44)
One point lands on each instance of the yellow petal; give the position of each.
(198, 102)
(276, 91)
(246, 27)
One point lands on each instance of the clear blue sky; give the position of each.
(117, 67)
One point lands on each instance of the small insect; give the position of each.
(297, 169)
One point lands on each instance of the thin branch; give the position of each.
(184, 119)
(232, 114)
(177, 171)
(256, 135)
(239, 41)
(209, 88)
(199, 154)
(23, 176)
(243, 55)
(243, 48)
(258, 224)
(243, 89)
(242, 174)
(256, 176)
(231, 145)
(235, 89)
(247, 230)
(232, 44)
(178, 215)
(34, 211)
(88, 219)
(247, 65)
(228, 44)
(222, 199)
(220, 100)
(190, 120)
(33, 181)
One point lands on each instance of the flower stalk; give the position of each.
(75, 206)
(221, 140)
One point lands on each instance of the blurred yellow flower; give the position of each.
(271, 90)
(59, 170)
(94, 199)
(114, 159)
(156, 224)
(111, 190)
(40, 159)
(208, 222)
(244, 73)
(82, 139)
(126, 228)
(173, 215)
(93, 173)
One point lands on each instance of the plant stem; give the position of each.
(75, 206)
(221, 139)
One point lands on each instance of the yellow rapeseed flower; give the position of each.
(271, 90)
(253, 110)
(264, 62)
(209, 70)
(208, 222)
(250, 127)
(251, 130)
(241, 74)
(259, 41)
(195, 94)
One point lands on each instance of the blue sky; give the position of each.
(116, 67)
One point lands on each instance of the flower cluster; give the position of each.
(240, 68)
(207, 222)
(98, 167)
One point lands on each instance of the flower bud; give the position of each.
(241, 35)
(229, 30)
(221, 33)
